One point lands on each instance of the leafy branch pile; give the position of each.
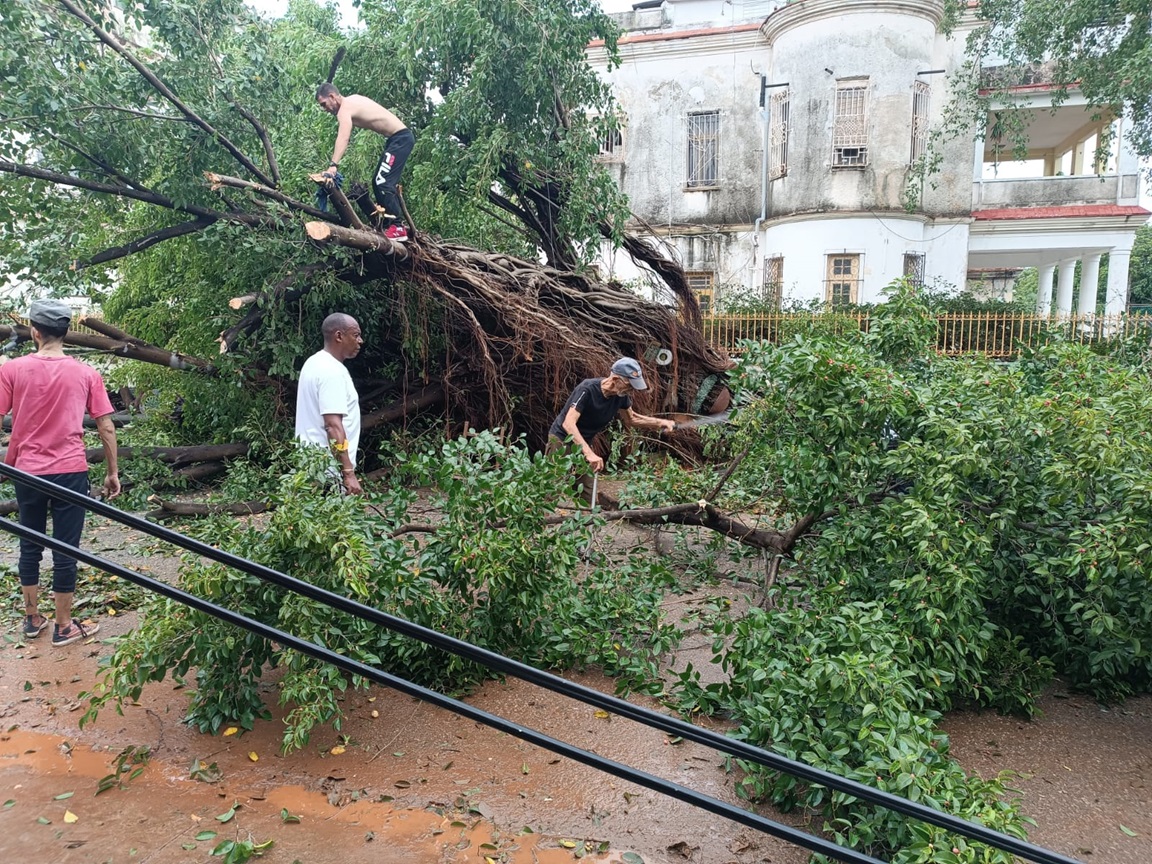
(492, 570)
(968, 530)
(159, 154)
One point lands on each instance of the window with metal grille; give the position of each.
(703, 149)
(612, 145)
(778, 134)
(921, 102)
(914, 268)
(774, 281)
(703, 285)
(850, 132)
(843, 282)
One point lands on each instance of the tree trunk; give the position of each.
(175, 456)
(170, 509)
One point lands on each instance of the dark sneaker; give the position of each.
(396, 232)
(34, 625)
(73, 632)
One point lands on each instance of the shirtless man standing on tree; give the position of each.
(364, 113)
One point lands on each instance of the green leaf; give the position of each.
(631, 858)
(1128, 831)
(227, 815)
(206, 835)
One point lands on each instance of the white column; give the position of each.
(1116, 300)
(1065, 275)
(1089, 284)
(1077, 159)
(1044, 289)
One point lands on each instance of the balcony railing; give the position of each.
(1001, 335)
(1054, 191)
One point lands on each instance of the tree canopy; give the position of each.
(159, 155)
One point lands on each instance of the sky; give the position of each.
(348, 11)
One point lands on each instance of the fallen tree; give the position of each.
(503, 336)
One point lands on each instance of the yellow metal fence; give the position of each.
(997, 334)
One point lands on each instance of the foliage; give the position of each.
(967, 529)
(835, 686)
(494, 572)
(505, 159)
(1102, 49)
(1140, 268)
(522, 135)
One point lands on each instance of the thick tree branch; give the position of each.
(704, 515)
(174, 456)
(112, 332)
(427, 397)
(336, 196)
(218, 180)
(262, 134)
(364, 241)
(132, 351)
(335, 64)
(116, 45)
(142, 243)
(172, 509)
(135, 194)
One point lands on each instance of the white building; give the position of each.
(772, 145)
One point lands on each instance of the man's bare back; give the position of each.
(365, 113)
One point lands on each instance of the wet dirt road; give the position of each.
(416, 783)
(425, 784)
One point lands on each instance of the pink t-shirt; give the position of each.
(48, 397)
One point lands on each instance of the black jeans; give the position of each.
(388, 170)
(67, 526)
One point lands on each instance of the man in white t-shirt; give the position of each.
(327, 405)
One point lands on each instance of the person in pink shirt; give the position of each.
(48, 394)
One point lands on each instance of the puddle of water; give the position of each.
(158, 815)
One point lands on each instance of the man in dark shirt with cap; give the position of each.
(594, 404)
(48, 394)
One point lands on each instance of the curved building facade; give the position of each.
(778, 147)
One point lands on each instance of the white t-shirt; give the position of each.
(326, 388)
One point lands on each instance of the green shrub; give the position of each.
(496, 572)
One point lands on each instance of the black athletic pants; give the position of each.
(384, 184)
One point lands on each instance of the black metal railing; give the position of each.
(500, 663)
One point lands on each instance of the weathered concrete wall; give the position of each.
(818, 43)
(881, 241)
(659, 84)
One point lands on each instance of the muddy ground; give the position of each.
(419, 784)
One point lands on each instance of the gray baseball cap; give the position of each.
(50, 313)
(628, 368)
